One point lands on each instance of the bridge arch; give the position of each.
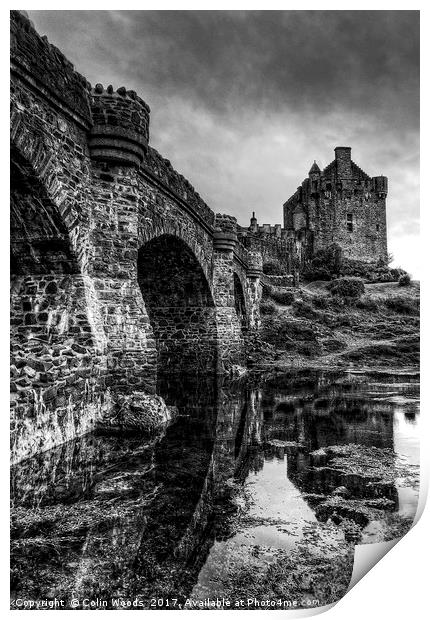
(180, 305)
(53, 359)
(40, 242)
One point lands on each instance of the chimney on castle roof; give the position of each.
(343, 161)
(254, 224)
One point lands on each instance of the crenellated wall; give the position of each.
(118, 267)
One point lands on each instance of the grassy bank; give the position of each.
(309, 326)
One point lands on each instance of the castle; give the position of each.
(340, 204)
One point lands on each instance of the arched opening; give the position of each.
(239, 301)
(51, 340)
(38, 237)
(179, 304)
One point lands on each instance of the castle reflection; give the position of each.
(111, 516)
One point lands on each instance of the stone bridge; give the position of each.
(118, 267)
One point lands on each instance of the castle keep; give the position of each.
(340, 204)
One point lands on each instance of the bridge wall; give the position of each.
(89, 194)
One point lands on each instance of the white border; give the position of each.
(397, 586)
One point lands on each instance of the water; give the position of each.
(231, 500)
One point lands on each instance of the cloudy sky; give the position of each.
(243, 102)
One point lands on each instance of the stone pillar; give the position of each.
(230, 340)
(117, 143)
(253, 288)
(130, 344)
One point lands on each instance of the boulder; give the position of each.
(137, 412)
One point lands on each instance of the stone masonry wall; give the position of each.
(56, 372)
(340, 204)
(84, 204)
(271, 247)
(57, 368)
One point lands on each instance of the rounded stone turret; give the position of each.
(120, 131)
(255, 265)
(380, 185)
(225, 234)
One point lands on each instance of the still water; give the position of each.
(257, 490)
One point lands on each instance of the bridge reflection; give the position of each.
(108, 516)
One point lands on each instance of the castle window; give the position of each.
(349, 222)
(377, 227)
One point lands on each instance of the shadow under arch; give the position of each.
(39, 240)
(239, 301)
(179, 304)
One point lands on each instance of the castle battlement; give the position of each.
(272, 241)
(120, 131)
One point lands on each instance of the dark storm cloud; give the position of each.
(243, 101)
(268, 59)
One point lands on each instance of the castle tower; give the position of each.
(315, 171)
(340, 204)
(253, 223)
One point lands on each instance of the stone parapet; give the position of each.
(42, 64)
(162, 170)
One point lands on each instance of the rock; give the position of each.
(318, 458)
(137, 412)
(342, 491)
(336, 518)
(314, 498)
(382, 503)
(23, 382)
(338, 508)
(279, 443)
(352, 531)
(37, 364)
(78, 348)
(114, 487)
(238, 371)
(29, 371)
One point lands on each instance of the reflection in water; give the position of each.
(247, 471)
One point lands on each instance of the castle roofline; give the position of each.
(314, 168)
